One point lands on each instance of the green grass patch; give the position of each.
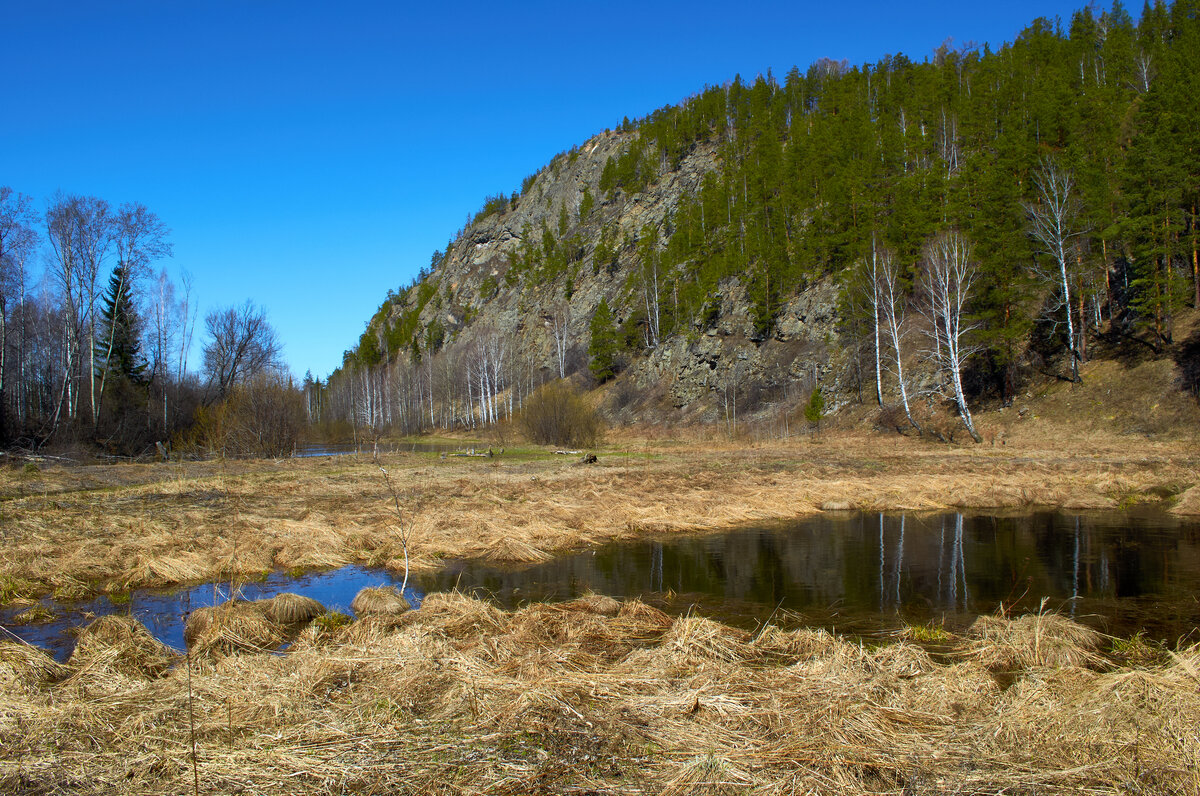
(13, 587)
(331, 621)
(928, 634)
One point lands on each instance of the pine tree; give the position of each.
(603, 347)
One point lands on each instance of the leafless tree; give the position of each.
(242, 344)
(947, 280)
(558, 323)
(79, 229)
(164, 328)
(866, 296)
(891, 307)
(1053, 224)
(18, 240)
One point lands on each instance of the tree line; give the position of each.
(95, 336)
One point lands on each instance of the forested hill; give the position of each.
(727, 242)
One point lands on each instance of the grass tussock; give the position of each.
(462, 698)
(291, 609)
(120, 644)
(384, 600)
(1034, 640)
(26, 668)
(233, 626)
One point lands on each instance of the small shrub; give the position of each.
(30, 468)
(558, 415)
(263, 417)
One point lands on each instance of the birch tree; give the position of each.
(866, 292)
(891, 311)
(1053, 225)
(139, 238)
(18, 240)
(559, 322)
(948, 277)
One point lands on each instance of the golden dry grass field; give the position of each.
(109, 528)
(588, 697)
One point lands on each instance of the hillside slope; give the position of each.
(717, 255)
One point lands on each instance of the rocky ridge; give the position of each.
(693, 371)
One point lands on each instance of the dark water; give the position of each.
(1115, 571)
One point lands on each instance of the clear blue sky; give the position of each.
(310, 156)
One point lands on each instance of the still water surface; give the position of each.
(861, 573)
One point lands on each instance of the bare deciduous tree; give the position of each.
(560, 319)
(1052, 221)
(139, 237)
(947, 280)
(79, 229)
(18, 240)
(241, 344)
(891, 311)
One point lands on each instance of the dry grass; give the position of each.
(1033, 640)
(25, 668)
(461, 698)
(93, 529)
(233, 626)
(290, 609)
(386, 600)
(122, 645)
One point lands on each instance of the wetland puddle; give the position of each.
(860, 573)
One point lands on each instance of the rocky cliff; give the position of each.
(498, 276)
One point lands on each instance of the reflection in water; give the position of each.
(1116, 571)
(1109, 570)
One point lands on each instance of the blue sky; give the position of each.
(310, 156)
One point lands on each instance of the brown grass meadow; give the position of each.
(593, 696)
(74, 530)
(597, 696)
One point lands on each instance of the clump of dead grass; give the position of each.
(597, 604)
(708, 775)
(458, 615)
(233, 626)
(1033, 640)
(380, 600)
(291, 609)
(26, 667)
(117, 643)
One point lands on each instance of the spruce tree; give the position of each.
(118, 348)
(603, 346)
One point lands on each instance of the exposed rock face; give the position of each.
(695, 369)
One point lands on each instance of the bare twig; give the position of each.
(402, 526)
